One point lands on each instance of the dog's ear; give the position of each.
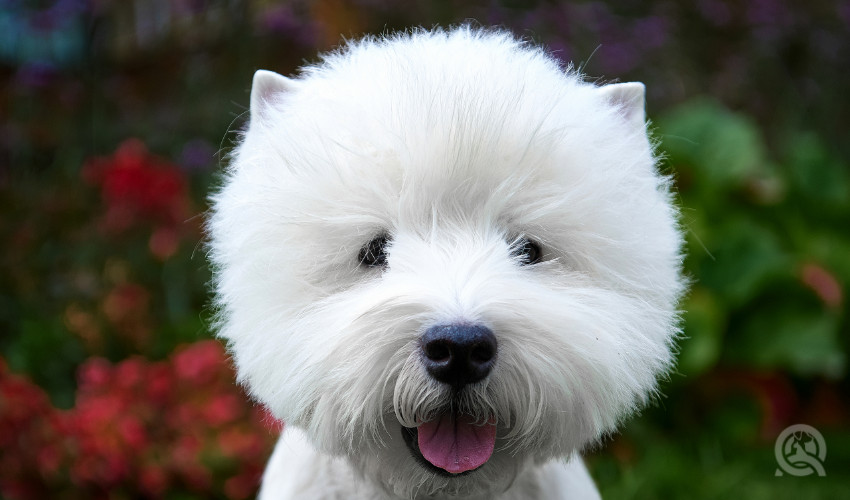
(629, 98)
(266, 85)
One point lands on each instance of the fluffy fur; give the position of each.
(456, 144)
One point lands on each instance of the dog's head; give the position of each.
(446, 258)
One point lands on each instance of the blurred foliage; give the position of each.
(115, 115)
(750, 222)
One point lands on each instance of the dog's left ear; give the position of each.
(266, 85)
(630, 98)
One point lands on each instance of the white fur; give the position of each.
(455, 144)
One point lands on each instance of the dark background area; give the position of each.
(115, 117)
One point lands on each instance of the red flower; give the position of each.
(159, 384)
(138, 429)
(244, 485)
(223, 409)
(138, 186)
(200, 362)
(153, 480)
(94, 373)
(32, 442)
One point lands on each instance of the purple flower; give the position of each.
(767, 12)
(197, 155)
(844, 12)
(57, 15)
(618, 58)
(651, 32)
(715, 11)
(35, 75)
(284, 20)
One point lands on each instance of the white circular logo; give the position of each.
(800, 451)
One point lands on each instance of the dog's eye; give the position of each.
(374, 253)
(526, 252)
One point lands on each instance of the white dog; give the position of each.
(448, 265)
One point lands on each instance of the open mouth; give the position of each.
(451, 445)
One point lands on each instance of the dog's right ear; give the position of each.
(267, 85)
(630, 98)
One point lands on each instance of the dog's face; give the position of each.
(446, 259)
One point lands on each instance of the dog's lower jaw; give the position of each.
(297, 471)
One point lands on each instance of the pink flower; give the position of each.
(823, 283)
(94, 373)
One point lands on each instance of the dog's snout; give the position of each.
(458, 354)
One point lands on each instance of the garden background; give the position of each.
(115, 117)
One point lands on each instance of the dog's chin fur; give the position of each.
(454, 145)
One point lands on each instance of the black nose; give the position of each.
(458, 354)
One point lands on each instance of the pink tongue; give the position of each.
(456, 443)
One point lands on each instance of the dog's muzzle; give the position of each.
(453, 443)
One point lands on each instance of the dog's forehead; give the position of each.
(440, 174)
(454, 127)
(456, 109)
(461, 139)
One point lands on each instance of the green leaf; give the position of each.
(722, 148)
(816, 174)
(791, 337)
(704, 324)
(745, 255)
